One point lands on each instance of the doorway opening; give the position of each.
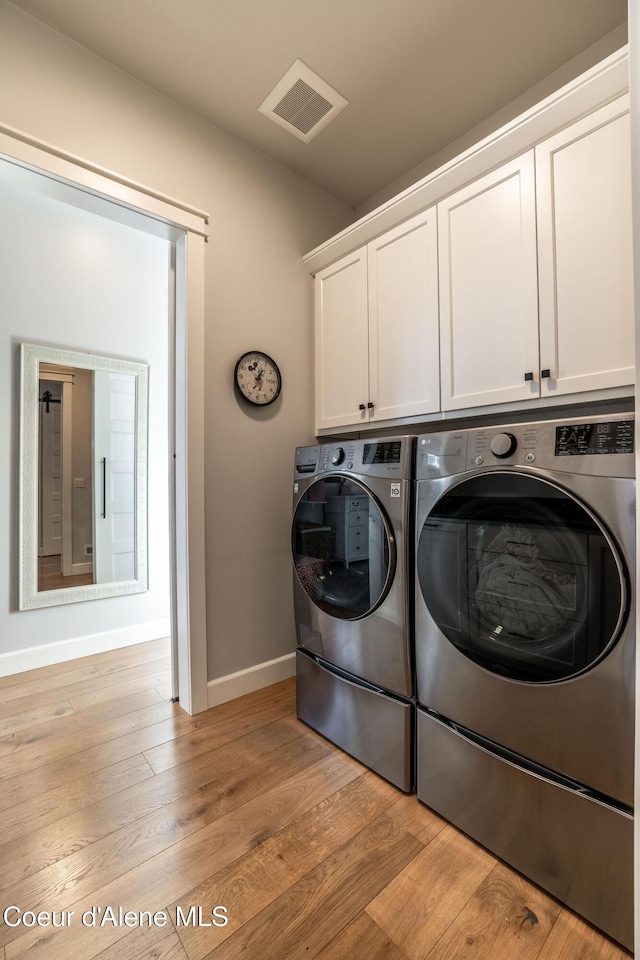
(84, 185)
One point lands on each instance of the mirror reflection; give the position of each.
(86, 485)
(83, 477)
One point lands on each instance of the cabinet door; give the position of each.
(488, 289)
(404, 366)
(586, 284)
(341, 342)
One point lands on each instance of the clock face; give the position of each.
(257, 378)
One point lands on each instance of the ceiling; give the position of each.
(418, 74)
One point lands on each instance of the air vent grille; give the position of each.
(302, 102)
(302, 107)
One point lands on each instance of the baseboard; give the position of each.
(17, 661)
(254, 678)
(85, 567)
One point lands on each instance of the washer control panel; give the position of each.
(597, 445)
(515, 444)
(581, 439)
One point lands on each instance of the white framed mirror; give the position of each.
(83, 477)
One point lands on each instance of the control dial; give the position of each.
(337, 456)
(503, 445)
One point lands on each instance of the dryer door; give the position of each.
(521, 577)
(343, 549)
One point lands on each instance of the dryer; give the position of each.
(525, 638)
(353, 559)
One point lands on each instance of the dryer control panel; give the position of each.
(385, 457)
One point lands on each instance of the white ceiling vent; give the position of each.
(302, 102)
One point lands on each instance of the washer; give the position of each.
(353, 559)
(525, 636)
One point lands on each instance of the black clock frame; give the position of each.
(269, 360)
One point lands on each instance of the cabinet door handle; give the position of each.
(545, 374)
(370, 405)
(528, 375)
(361, 406)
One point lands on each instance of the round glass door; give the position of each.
(520, 577)
(342, 548)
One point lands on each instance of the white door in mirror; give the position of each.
(114, 405)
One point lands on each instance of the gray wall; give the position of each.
(258, 294)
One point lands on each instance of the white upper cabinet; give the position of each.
(585, 254)
(342, 342)
(404, 375)
(377, 329)
(493, 311)
(488, 289)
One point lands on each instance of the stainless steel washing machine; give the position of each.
(353, 556)
(525, 639)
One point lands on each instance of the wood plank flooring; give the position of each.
(112, 797)
(50, 576)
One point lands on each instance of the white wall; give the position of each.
(258, 294)
(70, 278)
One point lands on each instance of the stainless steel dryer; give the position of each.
(353, 556)
(525, 640)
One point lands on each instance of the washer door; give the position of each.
(343, 549)
(521, 577)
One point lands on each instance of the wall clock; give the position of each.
(257, 378)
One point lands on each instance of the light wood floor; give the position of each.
(111, 796)
(50, 575)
